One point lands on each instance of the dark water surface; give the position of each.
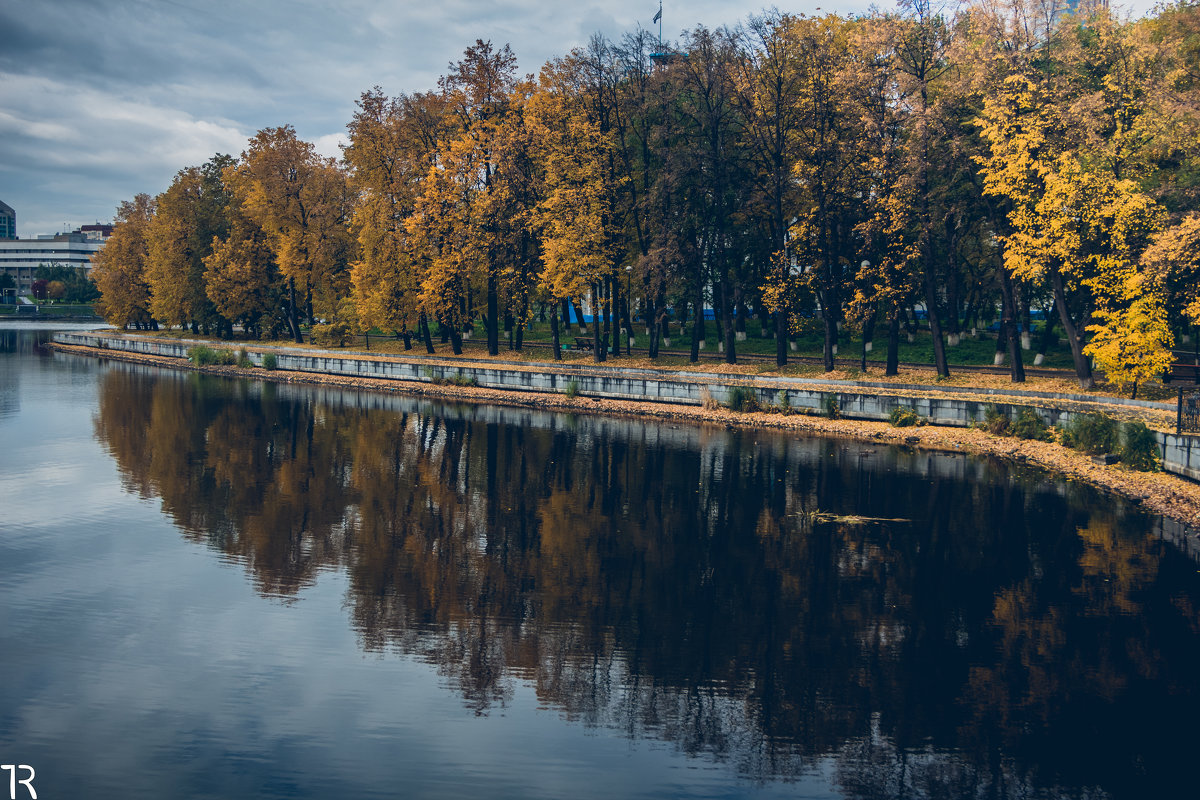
(220, 589)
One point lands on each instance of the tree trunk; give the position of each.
(455, 340)
(554, 337)
(1047, 334)
(831, 337)
(493, 320)
(893, 354)
(292, 320)
(935, 328)
(781, 335)
(698, 325)
(597, 345)
(1017, 365)
(1083, 370)
(730, 334)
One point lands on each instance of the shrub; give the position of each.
(269, 361)
(706, 400)
(995, 421)
(783, 402)
(1093, 434)
(243, 360)
(905, 417)
(334, 334)
(1030, 426)
(1139, 447)
(830, 406)
(203, 356)
(462, 380)
(743, 398)
(572, 389)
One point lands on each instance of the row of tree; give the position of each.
(816, 173)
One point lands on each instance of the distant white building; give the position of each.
(20, 258)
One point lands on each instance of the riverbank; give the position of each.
(1172, 497)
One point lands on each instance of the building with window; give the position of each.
(8, 222)
(20, 258)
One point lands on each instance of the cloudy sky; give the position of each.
(102, 99)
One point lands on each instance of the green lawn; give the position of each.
(970, 351)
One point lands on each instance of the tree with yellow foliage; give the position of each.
(302, 201)
(189, 215)
(574, 217)
(393, 145)
(241, 278)
(119, 269)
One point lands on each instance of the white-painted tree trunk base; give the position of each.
(720, 347)
(739, 336)
(702, 344)
(998, 360)
(1186, 339)
(974, 333)
(631, 342)
(834, 349)
(911, 338)
(1039, 359)
(953, 340)
(1026, 341)
(792, 346)
(869, 346)
(666, 341)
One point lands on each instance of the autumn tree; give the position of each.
(242, 280)
(119, 269)
(826, 171)
(393, 145)
(768, 81)
(453, 221)
(189, 216)
(302, 202)
(574, 217)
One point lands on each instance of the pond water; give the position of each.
(216, 588)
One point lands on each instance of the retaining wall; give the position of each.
(1180, 454)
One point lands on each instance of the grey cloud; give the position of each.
(107, 98)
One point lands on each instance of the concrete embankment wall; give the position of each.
(1180, 454)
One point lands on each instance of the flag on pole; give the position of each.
(657, 16)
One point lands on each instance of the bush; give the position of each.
(905, 417)
(572, 389)
(243, 360)
(462, 380)
(203, 356)
(830, 406)
(995, 421)
(1030, 426)
(1139, 447)
(269, 361)
(334, 334)
(783, 402)
(743, 398)
(707, 402)
(1093, 434)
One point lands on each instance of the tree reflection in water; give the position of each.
(1016, 637)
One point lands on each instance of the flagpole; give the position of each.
(660, 24)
